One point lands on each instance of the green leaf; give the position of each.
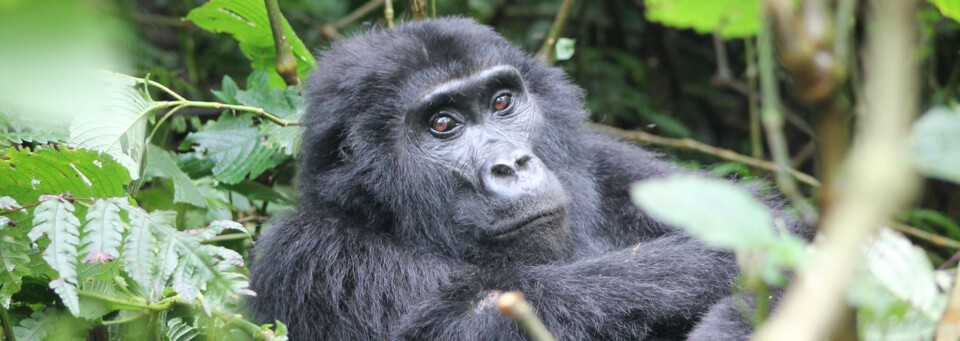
(119, 129)
(936, 144)
(37, 327)
(13, 259)
(901, 299)
(235, 146)
(103, 232)
(283, 103)
(139, 254)
(257, 191)
(54, 218)
(726, 215)
(162, 163)
(565, 48)
(730, 18)
(196, 268)
(177, 330)
(228, 91)
(949, 8)
(247, 21)
(26, 175)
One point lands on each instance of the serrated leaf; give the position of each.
(247, 21)
(94, 308)
(283, 103)
(119, 129)
(25, 175)
(903, 301)
(949, 8)
(68, 294)
(103, 232)
(936, 144)
(139, 254)
(8, 203)
(177, 330)
(13, 262)
(35, 328)
(235, 146)
(730, 18)
(726, 215)
(54, 218)
(163, 163)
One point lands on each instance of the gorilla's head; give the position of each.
(454, 140)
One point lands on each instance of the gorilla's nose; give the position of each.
(513, 173)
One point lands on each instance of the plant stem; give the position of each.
(690, 144)
(772, 121)
(513, 305)
(877, 173)
(8, 334)
(135, 317)
(546, 54)
(159, 306)
(286, 62)
(388, 12)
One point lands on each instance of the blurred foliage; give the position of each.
(128, 205)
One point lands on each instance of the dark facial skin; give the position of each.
(480, 128)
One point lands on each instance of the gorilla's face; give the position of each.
(480, 131)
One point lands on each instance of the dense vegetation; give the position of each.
(146, 144)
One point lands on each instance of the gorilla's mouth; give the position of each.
(509, 228)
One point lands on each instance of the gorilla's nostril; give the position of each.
(522, 161)
(502, 170)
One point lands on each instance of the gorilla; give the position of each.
(441, 166)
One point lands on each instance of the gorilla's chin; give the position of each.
(527, 224)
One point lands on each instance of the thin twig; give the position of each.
(772, 120)
(546, 54)
(690, 144)
(926, 236)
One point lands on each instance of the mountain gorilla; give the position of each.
(441, 166)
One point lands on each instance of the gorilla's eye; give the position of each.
(502, 102)
(443, 124)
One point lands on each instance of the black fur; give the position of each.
(374, 252)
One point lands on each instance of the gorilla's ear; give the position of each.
(323, 146)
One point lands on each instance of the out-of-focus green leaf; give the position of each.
(726, 215)
(949, 8)
(119, 129)
(235, 146)
(732, 19)
(565, 48)
(177, 330)
(163, 163)
(247, 21)
(228, 91)
(55, 219)
(25, 175)
(257, 191)
(900, 299)
(37, 327)
(13, 261)
(936, 144)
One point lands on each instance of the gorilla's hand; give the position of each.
(621, 294)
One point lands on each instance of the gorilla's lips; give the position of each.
(509, 228)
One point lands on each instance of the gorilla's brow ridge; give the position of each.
(453, 84)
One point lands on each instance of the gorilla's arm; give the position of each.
(327, 280)
(625, 294)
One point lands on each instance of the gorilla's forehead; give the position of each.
(447, 86)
